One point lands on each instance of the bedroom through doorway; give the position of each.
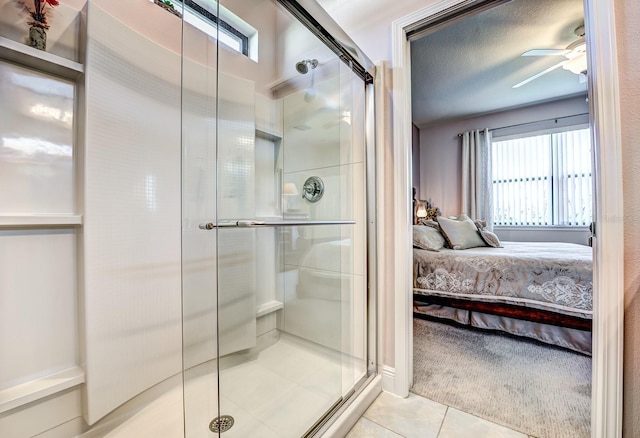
(502, 327)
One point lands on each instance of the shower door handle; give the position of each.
(248, 223)
(258, 224)
(211, 225)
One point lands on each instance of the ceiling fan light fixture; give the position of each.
(577, 64)
(576, 54)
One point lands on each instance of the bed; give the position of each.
(539, 290)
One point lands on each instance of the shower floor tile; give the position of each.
(276, 391)
(253, 387)
(291, 360)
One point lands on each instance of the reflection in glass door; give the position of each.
(274, 228)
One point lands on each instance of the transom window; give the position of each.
(219, 23)
(542, 179)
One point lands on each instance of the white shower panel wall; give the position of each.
(219, 180)
(295, 43)
(343, 199)
(325, 266)
(131, 235)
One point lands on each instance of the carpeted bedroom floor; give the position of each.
(536, 389)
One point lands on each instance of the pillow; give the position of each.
(460, 233)
(429, 223)
(489, 238)
(427, 238)
(480, 224)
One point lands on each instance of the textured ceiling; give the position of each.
(470, 67)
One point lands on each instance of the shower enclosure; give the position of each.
(274, 223)
(223, 252)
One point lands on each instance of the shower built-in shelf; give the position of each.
(270, 307)
(268, 134)
(39, 220)
(38, 59)
(37, 389)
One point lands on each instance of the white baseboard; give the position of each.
(388, 379)
(52, 416)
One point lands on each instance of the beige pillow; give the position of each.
(460, 233)
(490, 238)
(427, 238)
(480, 224)
(429, 223)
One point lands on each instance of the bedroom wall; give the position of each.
(415, 153)
(628, 27)
(441, 157)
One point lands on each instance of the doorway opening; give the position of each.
(607, 338)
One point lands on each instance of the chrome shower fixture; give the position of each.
(313, 189)
(303, 66)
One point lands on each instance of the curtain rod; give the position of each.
(533, 123)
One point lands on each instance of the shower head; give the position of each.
(303, 66)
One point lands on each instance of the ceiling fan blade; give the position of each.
(546, 52)
(536, 76)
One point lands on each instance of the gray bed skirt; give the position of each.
(572, 339)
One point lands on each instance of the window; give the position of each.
(542, 179)
(219, 23)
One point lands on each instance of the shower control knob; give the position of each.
(313, 189)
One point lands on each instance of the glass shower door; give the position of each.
(274, 278)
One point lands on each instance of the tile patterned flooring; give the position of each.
(418, 417)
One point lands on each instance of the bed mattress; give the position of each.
(542, 275)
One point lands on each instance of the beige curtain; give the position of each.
(476, 176)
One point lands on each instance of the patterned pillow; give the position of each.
(460, 233)
(427, 238)
(480, 224)
(490, 238)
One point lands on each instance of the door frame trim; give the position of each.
(607, 389)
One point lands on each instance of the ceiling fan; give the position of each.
(575, 54)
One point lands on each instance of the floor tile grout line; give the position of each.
(488, 421)
(442, 422)
(383, 426)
